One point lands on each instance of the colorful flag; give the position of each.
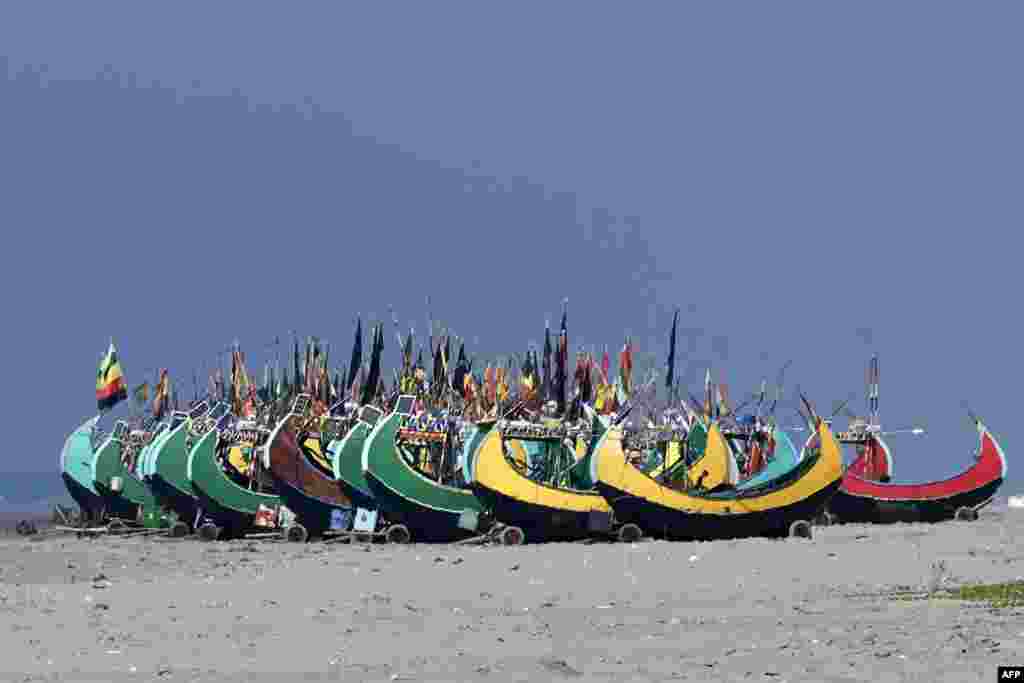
(626, 370)
(161, 395)
(357, 356)
(670, 377)
(547, 380)
(110, 386)
(141, 394)
(561, 364)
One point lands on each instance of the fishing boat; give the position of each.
(778, 507)
(127, 497)
(76, 459)
(231, 510)
(346, 456)
(167, 469)
(425, 507)
(535, 509)
(319, 504)
(961, 497)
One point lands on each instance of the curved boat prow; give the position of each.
(76, 469)
(960, 496)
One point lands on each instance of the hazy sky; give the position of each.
(788, 174)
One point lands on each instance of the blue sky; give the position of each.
(788, 174)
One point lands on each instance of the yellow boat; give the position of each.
(785, 505)
(540, 511)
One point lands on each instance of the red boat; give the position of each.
(866, 496)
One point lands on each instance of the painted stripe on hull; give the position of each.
(989, 466)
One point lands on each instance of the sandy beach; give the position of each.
(133, 609)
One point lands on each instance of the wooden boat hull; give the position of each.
(429, 510)
(135, 500)
(317, 501)
(76, 470)
(169, 475)
(763, 511)
(347, 461)
(227, 504)
(863, 500)
(544, 513)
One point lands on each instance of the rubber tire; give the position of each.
(209, 532)
(179, 530)
(966, 515)
(512, 535)
(629, 533)
(398, 534)
(801, 528)
(117, 527)
(296, 533)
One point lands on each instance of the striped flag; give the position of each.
(110, 386)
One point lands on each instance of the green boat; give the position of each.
(431, 511)
(229, 510)
(346, 456)
(76, 459)
(167, 465)
(126, 496)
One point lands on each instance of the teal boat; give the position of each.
(76, 459)
(784, 460)
(229, 509)
(431, 511)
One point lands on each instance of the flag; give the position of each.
(489, 388)
(707, 394)
(528, 379)
(110, 386)
(873, 389)
(461, 370)
(407, 356)
(626, 370)
(297, 377)
(723, 399)
(547, 381)
(161, 397)
(500, 385)
(561, 361)
(357, 356)
(670, 377)
(373, 378)
(437, 380)
(141, 394)
(469, 390)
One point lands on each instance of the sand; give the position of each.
(111, 609)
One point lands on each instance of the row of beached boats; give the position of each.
(413, 467)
